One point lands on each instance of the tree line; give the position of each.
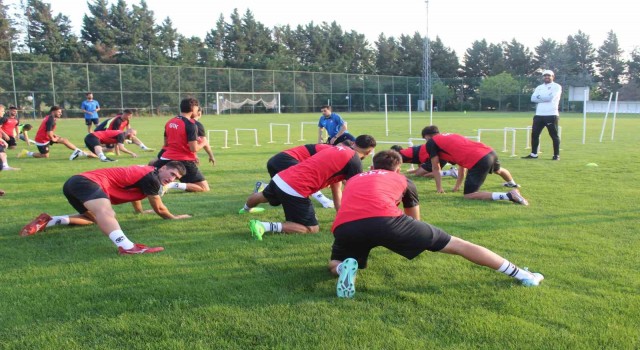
(119, 33)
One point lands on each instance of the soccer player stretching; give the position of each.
(370, 217)
(94, 192)
(292, 187)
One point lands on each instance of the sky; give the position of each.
(458, 23)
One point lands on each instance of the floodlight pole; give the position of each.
(426, 62)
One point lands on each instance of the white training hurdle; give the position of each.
(271, 125)
(302, 129)
(226, 136)
(255, 134)
(528, 131)
(505, 131)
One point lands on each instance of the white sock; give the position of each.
(118, 238)
(445, 173)
(102, 156)
(534, 154)
(320, 197)
(511, 182)
(512, 270)
(499, 196)
(5, 165)
(29, 154)
(272, 226)
(59, 220)
(178, 186)
(143, 146)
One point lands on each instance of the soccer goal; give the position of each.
(247, 102)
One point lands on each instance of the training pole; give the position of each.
(410, 115)
(431, 111)
(386, 116)
(584, 117)
(615, 112)
(604, 121)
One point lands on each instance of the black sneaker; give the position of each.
(530, 157)
(107, 159)
(555, 158)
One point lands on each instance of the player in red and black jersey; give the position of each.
(9, 126)
(96, 139)
(122, 122)
(479, 160)
(293, 156)
(419, 155)
(181, 144)
(46, 137)
(370, 217)
(292, 187)
(93, 193)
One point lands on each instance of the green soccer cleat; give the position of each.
(346, 287)
(252, 210)
(257, 230)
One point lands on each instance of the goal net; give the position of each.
(247, 102)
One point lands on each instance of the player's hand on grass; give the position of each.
(455, 189)
(134, 155)
(212, 160)
(440, 190)
(182, 216)
(148, 211)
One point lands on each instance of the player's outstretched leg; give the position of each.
(485, 257)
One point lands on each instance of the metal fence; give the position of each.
(35, 86)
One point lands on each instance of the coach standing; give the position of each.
(547, 96)
(90, 108)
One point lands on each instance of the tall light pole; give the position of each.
(426, 63)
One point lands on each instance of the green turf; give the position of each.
(215, 288)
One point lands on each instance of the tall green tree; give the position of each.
(476, 59)
(98, 33)
(8, 32)
(518, 60)
(214, 45)
(411, 55)
(387, 55)
(444, 61)
(549, 54)
(168, 39)
(49, 35)
(610, 64)
(581, 57)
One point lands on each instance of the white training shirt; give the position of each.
(547, 97)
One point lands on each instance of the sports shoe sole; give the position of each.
(346, 287)
(251, 211)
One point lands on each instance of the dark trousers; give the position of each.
(539, 123)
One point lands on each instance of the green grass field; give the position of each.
(216, 288)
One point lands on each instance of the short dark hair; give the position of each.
(396, 148)
(387, 160)
(326, 106)
(430, 130)
(127, 111)
(54, 108)
(88, 93)
(179, 167)
(187, 104)
(27, 127)
(365, 141)
(13, 107)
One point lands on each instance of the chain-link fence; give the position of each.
(157, 90)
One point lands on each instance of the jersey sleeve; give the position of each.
(150, 184)
(353, 167)
(320, 123)
(51, 122)
(115, 125)
(410, 195)
(192, 131)
(432, 148)
(3, 120)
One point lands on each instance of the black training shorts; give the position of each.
(402, 234)
(488, 164)
(78, 190)
(296, 209)
(279, 162)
